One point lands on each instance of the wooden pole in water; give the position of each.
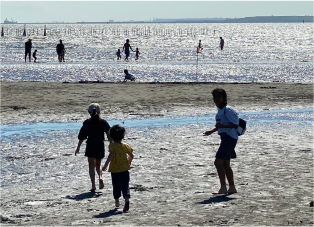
(45, 33)
(2, 33)
(24, 33)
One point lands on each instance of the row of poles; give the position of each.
(24, 32)
(115, 31)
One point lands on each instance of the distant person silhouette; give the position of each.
(60, 51)
(34, 55)
(118, 54)
(28, 49)
(126, 49)
(137, 54)
(128, 76)
(222, 43)
(200, 46)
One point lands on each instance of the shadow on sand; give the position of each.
(86, 195)
(217, 199)
(108, 213)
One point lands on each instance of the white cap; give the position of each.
(92, 107)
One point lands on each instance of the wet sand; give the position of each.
(54, 101)
(172, 175)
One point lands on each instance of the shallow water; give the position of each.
(301, 116)
(253, 52)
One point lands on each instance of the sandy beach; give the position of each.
(172, 175)
(55, 101)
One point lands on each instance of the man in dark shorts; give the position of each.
(126, 49)
(28, 49)
(60, 51)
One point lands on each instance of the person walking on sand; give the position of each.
(93, 130)
(222, 43)
(28, 49)
(34, 55)
(120, 159)
(126, 49)
(226, 124)
(60, 51)
(128, 76)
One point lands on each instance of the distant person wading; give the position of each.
(28, 49)
(60, 51)
(126, 49)
(222, 43)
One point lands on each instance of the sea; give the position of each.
(272, 52)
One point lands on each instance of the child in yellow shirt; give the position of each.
(120, 158)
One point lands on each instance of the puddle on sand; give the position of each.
(299, 115)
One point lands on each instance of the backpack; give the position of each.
(241, 127)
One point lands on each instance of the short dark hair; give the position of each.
(117, 132)
(126, 71)
(220, 91)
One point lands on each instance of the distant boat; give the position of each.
(6, 21)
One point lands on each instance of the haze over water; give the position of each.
(252, 53)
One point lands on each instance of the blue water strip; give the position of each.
(299, 115)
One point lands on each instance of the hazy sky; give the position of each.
(74, 11)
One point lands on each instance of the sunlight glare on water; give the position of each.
(253, 52)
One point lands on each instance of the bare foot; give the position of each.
(101, 184)
(232, 190)
(222, 190)
(117, 202)
(126, 207)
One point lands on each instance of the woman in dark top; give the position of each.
(93, 130)
(126, 49)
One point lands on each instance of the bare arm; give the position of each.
(104, 168)
(131, 156)
(78, 147)
(207, 133)
(109, 138)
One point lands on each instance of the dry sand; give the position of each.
(173, 173)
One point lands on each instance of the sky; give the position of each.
(103, 11)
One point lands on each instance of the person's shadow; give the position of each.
(85, 195)
(217, 199)
(108, 213)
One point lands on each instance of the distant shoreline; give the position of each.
(258, 19)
